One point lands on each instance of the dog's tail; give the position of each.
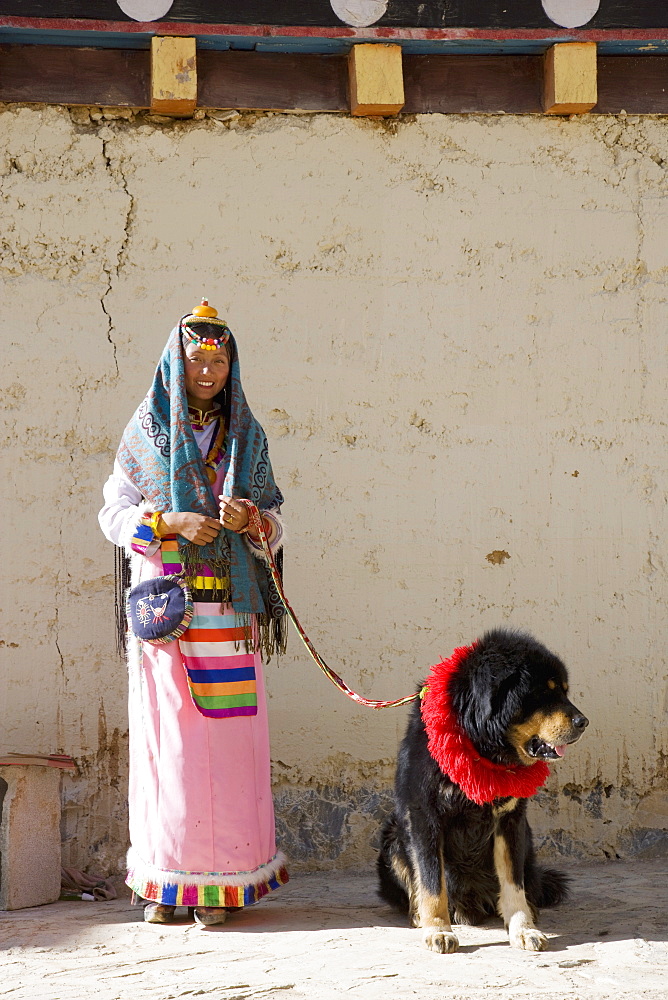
(390, 887)
(550, 888)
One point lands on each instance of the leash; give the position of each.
(255, 520)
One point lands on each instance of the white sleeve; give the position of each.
(123, 507)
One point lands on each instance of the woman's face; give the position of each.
(206, 373)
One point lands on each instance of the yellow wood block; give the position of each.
(173, 75)
(569, 84)
(376, 80)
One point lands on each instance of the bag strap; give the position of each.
(255, 519)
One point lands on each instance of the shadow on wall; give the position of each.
(94, 817)
(612, 822)
(321, 827)
(326, 826)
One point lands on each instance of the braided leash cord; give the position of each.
(255, 520)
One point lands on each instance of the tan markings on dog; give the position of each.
(409, 878)
(431, 913)
(428, 908)
(432, 910)
(507, 807)
(552, 685)
(404, 877)
(554, 728)
(513, 905)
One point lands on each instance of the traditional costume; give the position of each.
(200, 803)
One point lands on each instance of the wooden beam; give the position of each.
(173, 75)
(58, 74)
(569, 84)
(440, 84)
(636, 84)
(293, 15)
(271, 81)
(376, 80)
(468, 85)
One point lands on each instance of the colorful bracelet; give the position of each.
(146, 532)
(154, 521)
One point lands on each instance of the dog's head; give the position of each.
(510, 696)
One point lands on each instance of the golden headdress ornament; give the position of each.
(204, 313)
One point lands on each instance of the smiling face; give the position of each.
(206, 373)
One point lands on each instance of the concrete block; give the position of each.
(29, 836)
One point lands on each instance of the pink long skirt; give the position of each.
(201, 809)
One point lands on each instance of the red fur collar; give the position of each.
(481, 780)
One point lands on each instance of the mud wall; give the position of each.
(452, 329)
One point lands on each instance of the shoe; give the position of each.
(158, 913)
(207, 916)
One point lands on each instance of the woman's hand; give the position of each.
(196, 528)
(233, 514)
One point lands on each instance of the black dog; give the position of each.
(445, 856)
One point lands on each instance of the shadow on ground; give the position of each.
(326, 935)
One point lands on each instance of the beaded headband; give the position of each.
(204, 313)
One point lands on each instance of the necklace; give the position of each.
(481, 780)
(215, 454)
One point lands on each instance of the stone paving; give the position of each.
(329, 936)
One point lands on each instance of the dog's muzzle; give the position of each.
(541, 749)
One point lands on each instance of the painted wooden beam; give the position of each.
(428, 14)
(173, 75)
(636, 84)
(468, 85)
(58, 74)
(271, 81)
(444, 84)
(376, 80)
(570, 81)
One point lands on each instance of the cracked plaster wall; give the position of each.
(453, 330)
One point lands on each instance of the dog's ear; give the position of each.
(492, 709)
(492, 688)
(473, 699)
(506, 700)
(483, 705)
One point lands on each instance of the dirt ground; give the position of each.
(327, 936)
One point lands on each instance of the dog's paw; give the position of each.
(436, 939)
(529, 939)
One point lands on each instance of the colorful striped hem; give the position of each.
(224, 650)
(225, 700)
(208, 690)
(221, 677)
(173, 888)
(231, 674)
(227, 713)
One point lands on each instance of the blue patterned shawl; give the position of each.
(159, 454)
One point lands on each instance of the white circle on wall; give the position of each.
(359, 13)
(570, 13)
(145, 10)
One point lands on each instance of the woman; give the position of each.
(201, 811)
